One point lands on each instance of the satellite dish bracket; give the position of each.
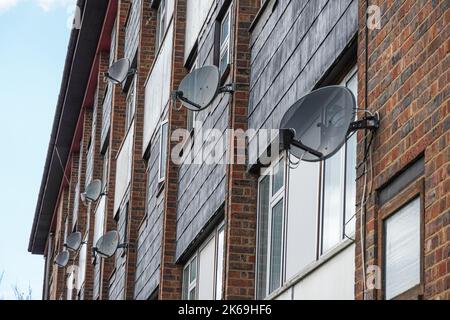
(371, 122)
(228, 88)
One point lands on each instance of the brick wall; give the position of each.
(408, 80)
(240, 207)
(170, 279)
(117, 132)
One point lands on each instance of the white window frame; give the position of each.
(130, 104)
(275, 199)
(105, 169)
(192, 115)
(163, 150)
(343, 165)
(89, 163)
(216, 276)
(194, 283)
(224, 44)
(161, 23)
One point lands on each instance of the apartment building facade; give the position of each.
(214, 227)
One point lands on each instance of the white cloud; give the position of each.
(7, 4)
(45, 5)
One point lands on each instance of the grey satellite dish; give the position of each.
(108, 244)
(74, 241)
(199, 88)
(318, 124)
(93, 191)
(119, 71)
(62, 259)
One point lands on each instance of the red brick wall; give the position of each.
(408, 80)
(146, 53)
(240, 207)
(117, 132)
(170, 280)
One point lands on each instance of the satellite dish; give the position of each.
(318, 123)
(108, 244)
(199, 88)
(119, 71)
(62, 259)
(73, 241)
(92, 192)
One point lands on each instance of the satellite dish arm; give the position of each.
(288, 139)
(180, 96)
(299, 144)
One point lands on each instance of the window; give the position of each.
(82, 265)
(401, 234)
(304, 211)
(131, 104)
(402, 249)
(69, 284)
(76, 201)
(190, 280)
(191, 115)
(224, 42)
(203, 274)
(270, 229)
(163, 144)
(89, 163)
(161, 23)
(105, 168)
(339, 188)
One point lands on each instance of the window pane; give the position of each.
(302, 216)
(332, 202)
(276, 246)
(193, 273)
(219, 273)
(402, 250)
(224, 60)
(278, 177)
(185, 283)
(192, 294)
(350, 187)
(163, 154)
(225, 29)
(263, 221)
(206, 267)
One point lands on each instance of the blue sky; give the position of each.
(33, 42)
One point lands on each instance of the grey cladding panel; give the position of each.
(201, 190)
(297, 53)
(150, 232)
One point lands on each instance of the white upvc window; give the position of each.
(131, 104)
(225, 28)
(105, 173)
(271, 220)
(402, 251)
(163, 149)
(190, 279)
(192, 115)
(203, 274)
(89, 163)
(82, 260)
(338, 209)
(304, 212)
(161, 23)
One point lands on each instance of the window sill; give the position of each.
(311, 268)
